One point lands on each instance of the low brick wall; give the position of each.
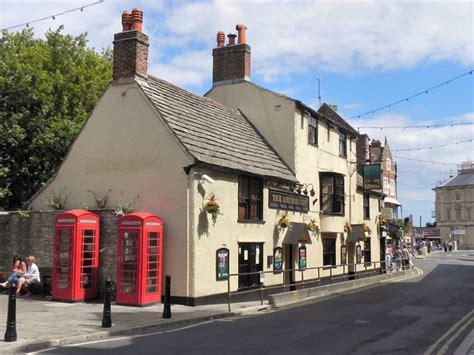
(33, 235)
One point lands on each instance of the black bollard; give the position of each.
(10, 333)
(167, 307)
(107, 319)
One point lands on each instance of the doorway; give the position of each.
(351, 260)
(289, 262)
(250, 261)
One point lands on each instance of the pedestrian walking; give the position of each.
(405, 258)
(398, 258)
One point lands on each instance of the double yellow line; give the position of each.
(452, 334)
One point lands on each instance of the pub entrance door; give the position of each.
(289, 262)
(351, 260)
(250, 260)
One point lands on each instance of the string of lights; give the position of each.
(419, 201)
(432, 147)
(425, 161)
(27, 24)
(413, 186)
(419, 126)
(406, 99)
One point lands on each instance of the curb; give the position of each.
(45, 344)
(323, 292)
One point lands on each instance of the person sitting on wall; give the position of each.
(32, 275)
(19, 269)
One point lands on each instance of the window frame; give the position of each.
(337, 184)
(312, 130)
(250, 198)
(366, 205)
(343, 142)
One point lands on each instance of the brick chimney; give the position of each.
(231, 61)
(130, 47)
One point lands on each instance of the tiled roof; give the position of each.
(333, 116)
(213, 133)
(463, 179)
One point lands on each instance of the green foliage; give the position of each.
(48, 87)
(126, 207)
(57, 201)
(99, 199)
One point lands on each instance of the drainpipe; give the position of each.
(190, 238)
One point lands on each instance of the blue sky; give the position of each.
(367, 53)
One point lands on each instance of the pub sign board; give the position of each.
(222, 264)
(283, 200)
(302, 258)
(372, 177)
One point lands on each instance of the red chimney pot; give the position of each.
(126, 21)
(231, 37)
(137, 19)
(220, 39)
(241, 31)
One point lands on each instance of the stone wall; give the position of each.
(33, 235)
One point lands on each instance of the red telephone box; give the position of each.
(76, 256)
(139, 259)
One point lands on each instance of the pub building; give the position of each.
(236, 175)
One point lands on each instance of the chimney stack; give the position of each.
(131, 47)
(231, 63)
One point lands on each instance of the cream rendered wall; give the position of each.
(227, 232)
(125, 146)
(270, 113)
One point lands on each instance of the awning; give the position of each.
(392, 201)
(297, 233)
(356, 234)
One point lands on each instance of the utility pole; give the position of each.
(318, 78)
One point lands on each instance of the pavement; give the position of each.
(44, 324)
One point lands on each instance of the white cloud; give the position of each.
(286, 37)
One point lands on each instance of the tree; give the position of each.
(48, 87)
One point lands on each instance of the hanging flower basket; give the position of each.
(383, 221)
(284, 222)
(212, 207)
(312, 227)
(366, 229)
(347, 227)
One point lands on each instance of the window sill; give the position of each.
(249, 221)
(313, 145)
(326, 267)
(334, 214)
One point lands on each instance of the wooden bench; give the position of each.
(42, 288)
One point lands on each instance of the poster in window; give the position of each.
(277, 259)
(372, 177)
(222, 264)
(302, 257)
(343, 254)
(358, 254)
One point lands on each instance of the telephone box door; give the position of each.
(127, 266)
(63, 262)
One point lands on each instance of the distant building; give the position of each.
(454, 207)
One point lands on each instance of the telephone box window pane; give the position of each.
(87, 262)
(128, 289)
(87, 247)
(153, 235)
(152, 290)
(88, 255)
(63, 284)
(131, 251)
(130, 235)
(152, 274)
(129, 243)
(128, 274)
(128, 282)
(152, 242)
(63, 277)
(130, 258)
(152, 258)
(64, 255)
(152, 266)
(129, 266)
(64, 262)
(88, 232)
(87, 270)
(63, 270)
(88, 240)
(152, 250)
(151, 282)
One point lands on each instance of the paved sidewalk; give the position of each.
(41, 324)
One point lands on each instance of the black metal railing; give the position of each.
(349, 272)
